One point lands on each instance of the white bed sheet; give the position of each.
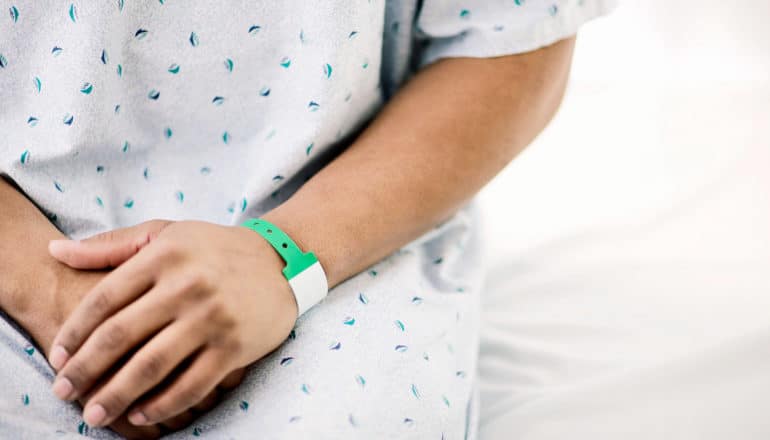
(630, 295)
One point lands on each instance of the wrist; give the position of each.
(305, 233)
(31, 300)
(269, 259)
(67, 290)
(41, 300)
(301, 268)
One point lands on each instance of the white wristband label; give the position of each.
(310, 287)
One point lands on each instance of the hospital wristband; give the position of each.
(303, 270)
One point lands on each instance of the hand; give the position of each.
(188, 291)
(71, 285)
(68, 288)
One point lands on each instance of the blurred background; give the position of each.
(629, 245)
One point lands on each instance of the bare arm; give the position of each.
(444, 136)
(30, 278)
(37, 291)
(447, 133)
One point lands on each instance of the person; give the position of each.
(139, 136)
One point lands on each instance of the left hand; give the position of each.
(210, 294)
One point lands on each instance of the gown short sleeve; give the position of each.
(491, 28)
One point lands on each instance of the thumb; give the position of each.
(108, 249)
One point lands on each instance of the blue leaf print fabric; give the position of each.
(118, 112)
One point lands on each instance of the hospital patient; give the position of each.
(183, 183)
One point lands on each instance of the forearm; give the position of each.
(28, 274)
(446, 134)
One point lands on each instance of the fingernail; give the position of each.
(59, 357)
(94, 415)
(55, 246)
(58, 242)
(62, 388)
(137, 418)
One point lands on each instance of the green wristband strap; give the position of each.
(296, 260)
(303, 270)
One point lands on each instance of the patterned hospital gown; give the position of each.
(113, 112)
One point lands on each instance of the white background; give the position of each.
(673, 84)
(629, 246)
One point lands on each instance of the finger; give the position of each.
(129, 431)
(108, 249)
(146, 369)
(111, 294)
(208, 402)
(233, 379)
(186, 417)
(113, 340)
(179, 421)
(186, 391)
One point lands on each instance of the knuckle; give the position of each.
(205, 279)
(215, 313)
(152, 366)
(114, 401)
(101, 301)
(188, 396)
(167, 249)
(193, 281)
(71, 338)
(191, 288)
(78, 374)
(112, 336)
(212, 312)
